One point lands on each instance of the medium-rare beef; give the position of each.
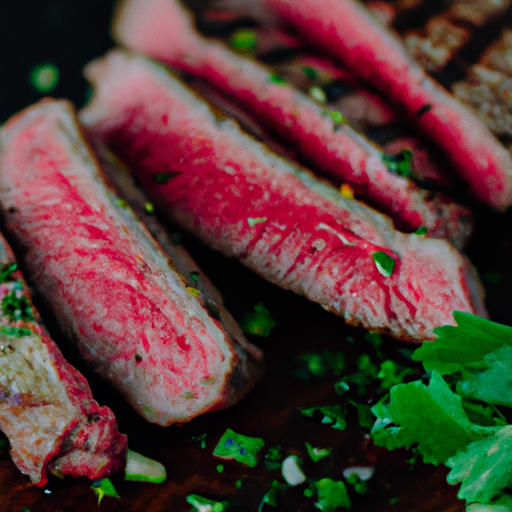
(345, 30)
(111, 287)
(46, 407)
(162, 29)
(279, 220)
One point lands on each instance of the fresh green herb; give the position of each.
(375, 340)
(364, 414)
(44, 77)
(252, 221)
(162, 178)
(276, 79)
(220, 468)
(318, 94)
(310, 72)
(359, 485)
(244, 40)
(332, 495)
(200, 439)
(17, 308)
(399, 163)
(238, 484)
(270, 497)
(338, 117)
(316, 454)
(273, 458)
(143, 469)
(104, 488)
(204, 505)
(7, 270)
(259, 322)
(122, 203)
(16, 332)
(384, 263)
(333, 415)
(238, 447)
(194, 276)
(422, 230)
(392, 373)
(149, 209)
(320, 365)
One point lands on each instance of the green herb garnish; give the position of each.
(201, 439)
(310, 72)
(276, 79)
(7, 270)
(104, 488)
(244, 40)
(17, 308)
(259, 322)
(149, 209)
(316, 454)
(16, 332)
(384, 263)
(270, 497)
(332, 495)
(399, 163)
(44, 77)
(162, 178)
(273, 458)
(205, 505)
(238, 447)
(252, 221)
(422, 230)
(333, 415)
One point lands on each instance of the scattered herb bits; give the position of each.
(201, 504)
(44, 77)
(333, 415)
(243, 449)
(384, 263)
(104, 488)
(252, 221)
(422, 230)
(258, 322)
(399, 163)
(244, 40)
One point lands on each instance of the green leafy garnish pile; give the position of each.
(456, 419)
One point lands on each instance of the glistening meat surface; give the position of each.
(111, 287)
(163, 30)
(46, 407)
(277, 219)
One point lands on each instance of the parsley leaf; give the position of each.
(238, 447)
(259, 322)
(104, 488)
(7, 270)
(205, 505)
(332, 415)
(17, 308)
(399, 163)
(332, 495)
(384, 263)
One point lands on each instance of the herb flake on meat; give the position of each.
(244, 449)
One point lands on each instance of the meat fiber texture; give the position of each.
(279, 220)
(111, 287)
(163, 30)
(348, 32)
(46, 407)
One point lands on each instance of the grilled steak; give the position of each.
(46, 407)
(111, 287)
(161, 29)
(345, 30)
(276, 218)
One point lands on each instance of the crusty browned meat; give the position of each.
(488, 87)
(46, 407)
(113, 290)
(162, 29)
(276, 218)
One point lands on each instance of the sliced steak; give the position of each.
(163, 30)
(46, 407)
(345, 30)
(111, 287)
(280, 221)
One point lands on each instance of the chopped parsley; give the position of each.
(333, 415)
(194, 276)
(201, 504)
(233, 446)
(16, 332)
(316, 454)
(149, 209)
(399, 163)
(273, 458)
(384, 263)
(17, 308)
(337, 117)
(258, 322)
(252, 221)
(44, 77)
(310, 72)
(320, 365)
(7, 270)
(104, 488)
(270, 497)
(332, 495)
(244, 40)
(318, 94)
(201, 439)
(162, 178)
(422, 230)
(276, 79)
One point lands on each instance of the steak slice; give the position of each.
(345, 30)
(46, 407)
(161, 29)
(280, 221)
(113, 290)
